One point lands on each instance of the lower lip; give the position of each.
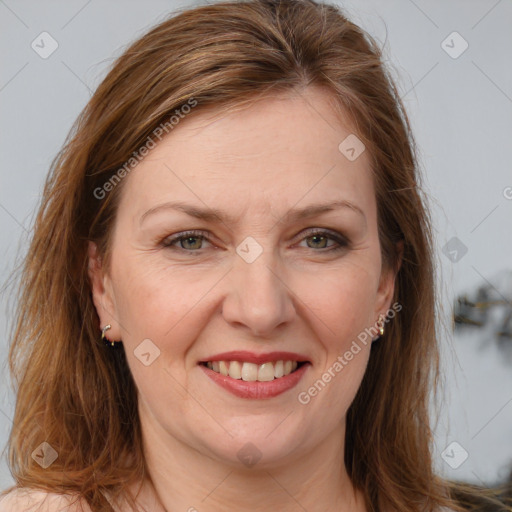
(256, 389)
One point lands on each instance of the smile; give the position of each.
(255, 376)
(251, 372)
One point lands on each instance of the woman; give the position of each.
(228, 303)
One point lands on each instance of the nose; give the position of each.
(258, 297)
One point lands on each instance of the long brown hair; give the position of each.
(81, 398)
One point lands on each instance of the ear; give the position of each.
(102, 294)
(386, 288)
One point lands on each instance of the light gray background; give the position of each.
(461, 110)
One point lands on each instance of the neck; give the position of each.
(183, 479)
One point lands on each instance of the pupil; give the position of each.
(191, 239)
(317, 238)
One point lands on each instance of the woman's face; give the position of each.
(287, 272)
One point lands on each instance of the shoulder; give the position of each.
(32, 500)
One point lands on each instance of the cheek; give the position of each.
(163, 306)
(340, 301)
(159, 302)
(341, 309)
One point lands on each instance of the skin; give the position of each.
(200, 298)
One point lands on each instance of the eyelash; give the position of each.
(342, 242)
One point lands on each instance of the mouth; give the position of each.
(252, 372)
(247, 375)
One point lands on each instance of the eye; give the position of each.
(319, 239)
(188, 240)
(192, 241)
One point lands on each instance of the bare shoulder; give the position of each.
(32, 500)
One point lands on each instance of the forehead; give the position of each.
(276, 152)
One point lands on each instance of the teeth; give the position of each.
(223, 367)
(251, 372)
(265, 372)
(235, 370)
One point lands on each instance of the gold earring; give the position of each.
(103, 337)
(381, 328)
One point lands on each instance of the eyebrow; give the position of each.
(215, 215)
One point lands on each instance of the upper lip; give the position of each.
(252, 357)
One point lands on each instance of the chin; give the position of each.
(268, 446)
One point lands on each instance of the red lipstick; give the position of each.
(252, 357)
(256, 389)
